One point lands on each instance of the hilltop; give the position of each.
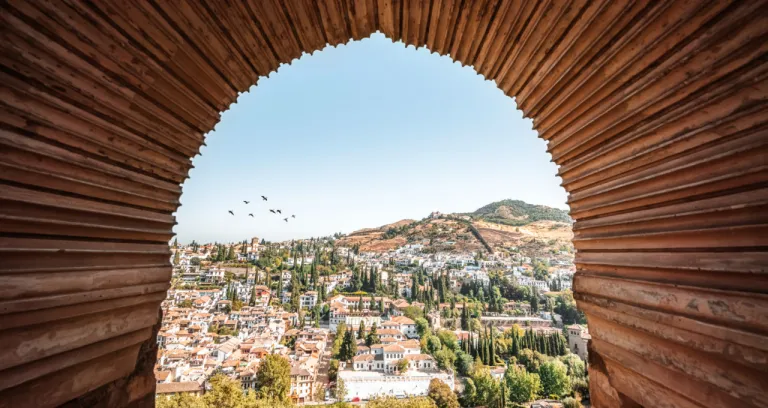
(518, 213)
(507, 225)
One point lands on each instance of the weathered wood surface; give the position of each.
(654, 111)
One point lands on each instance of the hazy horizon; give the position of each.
(360, 136)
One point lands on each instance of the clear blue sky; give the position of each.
(360, 136)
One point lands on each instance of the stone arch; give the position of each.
(654, 111)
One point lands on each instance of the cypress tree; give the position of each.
(464, 317)
(515, 349)
(493, 348)
(361, 330)
(483, 350)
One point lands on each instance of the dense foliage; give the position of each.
(516, 212)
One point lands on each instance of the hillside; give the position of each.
(518, 213)
(508, 225)
(439, 234)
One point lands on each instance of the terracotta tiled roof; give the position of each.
(174, 387)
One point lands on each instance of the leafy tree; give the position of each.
(413, 313)
(195, 261)
(333, 369)
(464, 363)
(487, 389)
(341, 330)
(554, 378)
(273, 378)
(422, 326)
(521, 385)
(340, 390)
(445, 358)
(391, 402)
(575, 365)
(181, 400)
(432, 344)
(571, 402)
(532, 360)
(225, 392)
(402, 365)
(186, 303)
(565, 306)
(449, 339)
(373, 336)
(470, 393)
(442, 395)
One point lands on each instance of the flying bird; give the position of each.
(293, 216)
(272, 211)
(279, 211)
(246, 201)
(286, 219)
(230, 211)
(250, 215)
(264, 198)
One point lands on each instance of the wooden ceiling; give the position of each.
(655, 113)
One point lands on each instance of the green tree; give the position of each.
(341, 330)
(392, 402)
(348, 346)
(554, 378)
(182, 400)
(470, 393)
(361, 330)
(487, 389)
(422, 326)
(373, 336)
(333, 369)
(225, 393)
(442, 395)
(464, 363)
(532, 360)
(432, 344)
(445, 358)
(402, 365)
(464, 317)
(571, 403)
(534, 301)
(575, 365)
(521, 385)
(273, 378)
(231, 253)
(448, 338)
(340, 390)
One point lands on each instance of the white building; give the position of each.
(578, 337)
(364, 385)
(308, 300)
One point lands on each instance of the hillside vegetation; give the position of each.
(518, 213)
(508, 225)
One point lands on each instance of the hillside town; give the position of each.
(356, 325)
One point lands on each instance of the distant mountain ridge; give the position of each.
(517, 213)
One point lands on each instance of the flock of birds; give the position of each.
(275, 211)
